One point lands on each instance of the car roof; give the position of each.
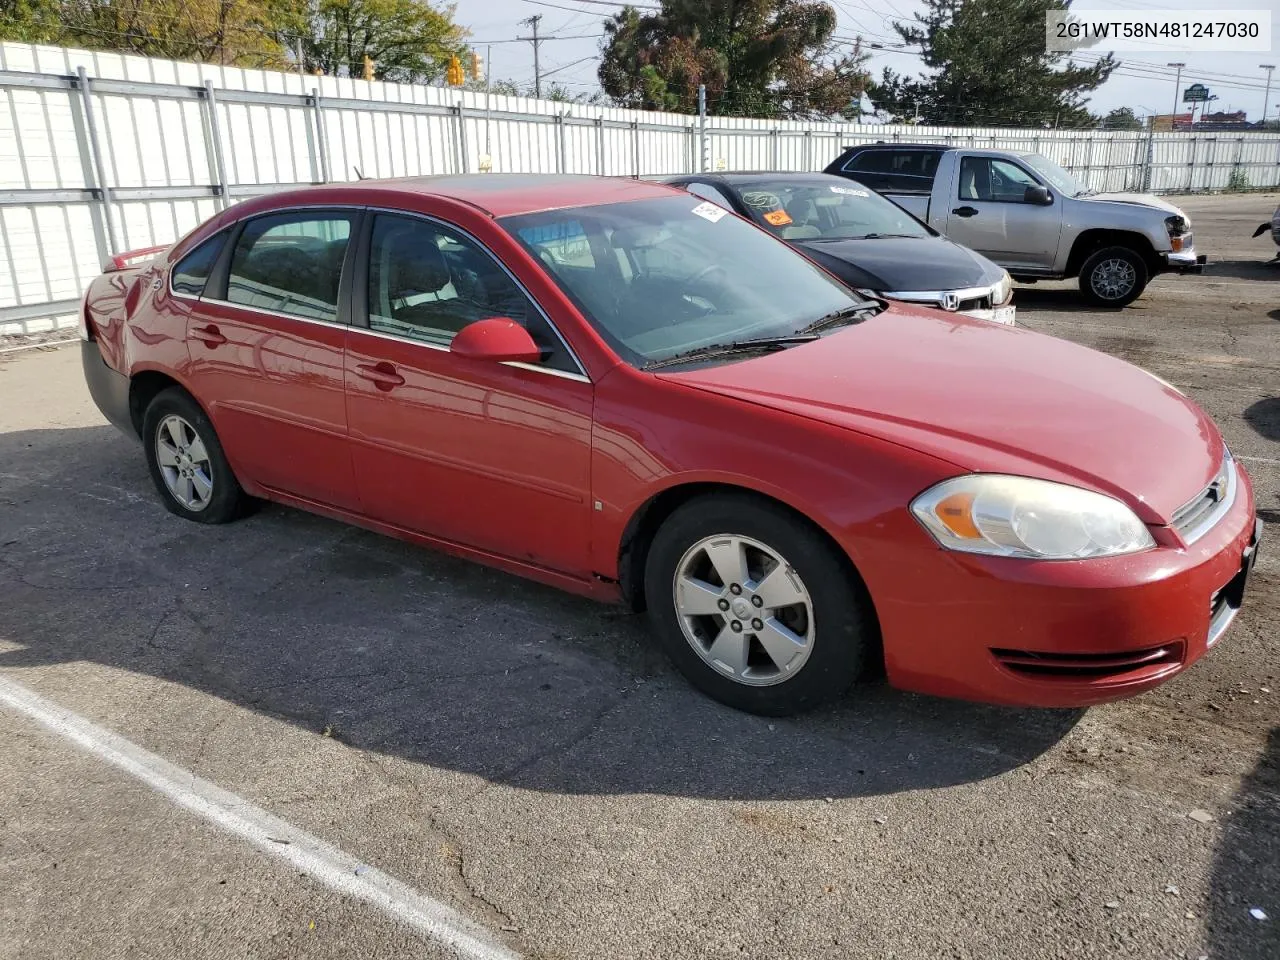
(505, 194)
(741, 176)
(898, 146)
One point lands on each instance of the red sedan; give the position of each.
(618, 389)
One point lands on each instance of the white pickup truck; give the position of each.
(1031, 216)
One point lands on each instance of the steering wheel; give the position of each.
(704, 273)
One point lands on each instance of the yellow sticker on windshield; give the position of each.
(779, 218)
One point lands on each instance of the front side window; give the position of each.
(427, 282)
(192, 271)
(290, 263)
(996, 181)
(826, 209)
(674, 274)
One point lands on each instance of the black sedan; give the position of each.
(858, 235)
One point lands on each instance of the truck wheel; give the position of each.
(1113, 277)
(755, 608)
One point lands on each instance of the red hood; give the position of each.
(991, 398)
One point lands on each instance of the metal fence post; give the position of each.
(215, 143)
(560, 153)
(99, 167)
(322, 141)
(460, 140)
(635, 149)
(1191, 165)
(702, 129)
(600, 164)
(774, 152)
(1150, 156)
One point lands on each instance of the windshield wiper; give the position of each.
(886, 236)
(844, 315)
(737, 346)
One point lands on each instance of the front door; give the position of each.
(494, 456)
(992, 216)
(266, 343)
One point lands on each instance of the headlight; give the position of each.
(1003, 290)
(1023, 517)
(1177, 225)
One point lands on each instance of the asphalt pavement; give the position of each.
(527, 762)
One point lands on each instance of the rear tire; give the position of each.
(187, 465)
(788, 631)
(1113, 277)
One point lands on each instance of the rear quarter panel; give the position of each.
(137, 323)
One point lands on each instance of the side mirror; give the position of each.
(1038, 195)
(496, 339)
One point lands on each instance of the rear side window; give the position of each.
(901, 171)
(291, 263)
(192, 271)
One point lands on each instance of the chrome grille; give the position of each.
(1198, 515)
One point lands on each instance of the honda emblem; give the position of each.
(950, 302)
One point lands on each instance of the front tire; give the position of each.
(756, 608)
(185, 458)
(1113, 277)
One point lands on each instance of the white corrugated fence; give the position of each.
(101, 153)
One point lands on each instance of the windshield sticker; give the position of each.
(710, 211)
(850, 191)
(778, 218)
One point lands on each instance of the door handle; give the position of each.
(965, 211)
(382, 374)
(210, 336)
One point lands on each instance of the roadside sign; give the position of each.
(1196, 93)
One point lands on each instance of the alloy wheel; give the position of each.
(743, 609)
(184, 463)
(1113, 279)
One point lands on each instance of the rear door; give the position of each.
(990, 215)
(494, 456)
(266, 339)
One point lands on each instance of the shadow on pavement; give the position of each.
(407, 652)
(1264, 417)
(1260, 269)
(1246, 871)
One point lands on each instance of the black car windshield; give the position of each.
(1059, 179)
(827, 208)
(668, 276)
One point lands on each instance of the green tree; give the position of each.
(767, 58)
(550, 91)
(1121, 118)
(409, 41)
(988, 65)
(30, 21)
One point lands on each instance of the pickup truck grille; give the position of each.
(1198, 515)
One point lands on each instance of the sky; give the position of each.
(1143, 82)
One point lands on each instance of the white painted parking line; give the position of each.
(324, 863)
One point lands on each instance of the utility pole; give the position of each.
(857, 53)
(537, 73)
(1266, 99)
(1177, 92)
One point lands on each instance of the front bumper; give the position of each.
(1185, 260)
(1066, 633)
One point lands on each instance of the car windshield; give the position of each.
(1059, 179)
(835, 209)
(668, 276)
